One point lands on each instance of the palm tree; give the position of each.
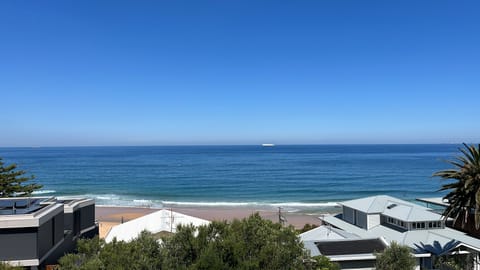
(465, 188)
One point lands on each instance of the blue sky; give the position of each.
(238, 72)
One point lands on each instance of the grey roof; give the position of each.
(326, 233)
(392, 207)
(439, 201)
(419, 240)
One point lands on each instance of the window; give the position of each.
(396, 222)
(421, 225)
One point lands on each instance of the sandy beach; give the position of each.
(109, 216)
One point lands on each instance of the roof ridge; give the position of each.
(410, 211)
(375, 198)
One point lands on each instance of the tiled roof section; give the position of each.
(350, 247)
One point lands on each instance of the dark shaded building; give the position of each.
(37, 231)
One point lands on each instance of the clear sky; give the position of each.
(238, 72)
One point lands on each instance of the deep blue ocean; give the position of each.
(296, 176)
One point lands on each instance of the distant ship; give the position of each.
(268, 144)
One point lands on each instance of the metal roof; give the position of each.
(327, 233)
(420, 241)
(438, 201)
(393, 207)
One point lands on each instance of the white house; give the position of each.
(160, 221)
(391, 219)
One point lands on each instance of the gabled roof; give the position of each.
(392, 207)
(163, 220)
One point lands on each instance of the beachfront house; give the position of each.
(158, 223)
(389, 219)
(35, 232)
(347, 249)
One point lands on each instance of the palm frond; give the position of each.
(464, 185)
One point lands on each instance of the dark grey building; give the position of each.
(37, 231)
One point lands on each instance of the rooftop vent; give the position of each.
(391, 205)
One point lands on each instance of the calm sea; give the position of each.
(294, 177)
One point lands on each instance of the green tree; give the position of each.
(143, 253)
(12, 181)
(324, 263)
(395, 257)
(307, 227)
(87, 256)
(250, 243)
(464, 186)
(6, 266)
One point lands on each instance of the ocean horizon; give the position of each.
(295, 177)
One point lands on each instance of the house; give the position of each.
(391, 219)
(37, 231)
(162, 221)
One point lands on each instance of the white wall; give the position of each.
(373, 220)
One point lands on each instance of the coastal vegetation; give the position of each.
(395, 257)
(464, 187)
(6, 266)
(250, 243)
(13, 181)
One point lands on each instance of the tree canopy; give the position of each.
(250, 243)
(395, 257)
(94, 254)
(463, 185)
(12, 181)
(6, 266)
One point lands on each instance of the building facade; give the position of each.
(395, 220)
(37, 231)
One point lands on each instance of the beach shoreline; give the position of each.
(111, 215)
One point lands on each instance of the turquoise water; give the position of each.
(291, 176)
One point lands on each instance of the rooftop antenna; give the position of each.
(171, 220)
(281, 218)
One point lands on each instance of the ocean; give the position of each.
(295, 177)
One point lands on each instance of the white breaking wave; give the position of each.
(300, 204)
(211, 203)
(125, 200)
(288, 206)
(38, 192)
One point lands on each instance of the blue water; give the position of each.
(292, 176)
